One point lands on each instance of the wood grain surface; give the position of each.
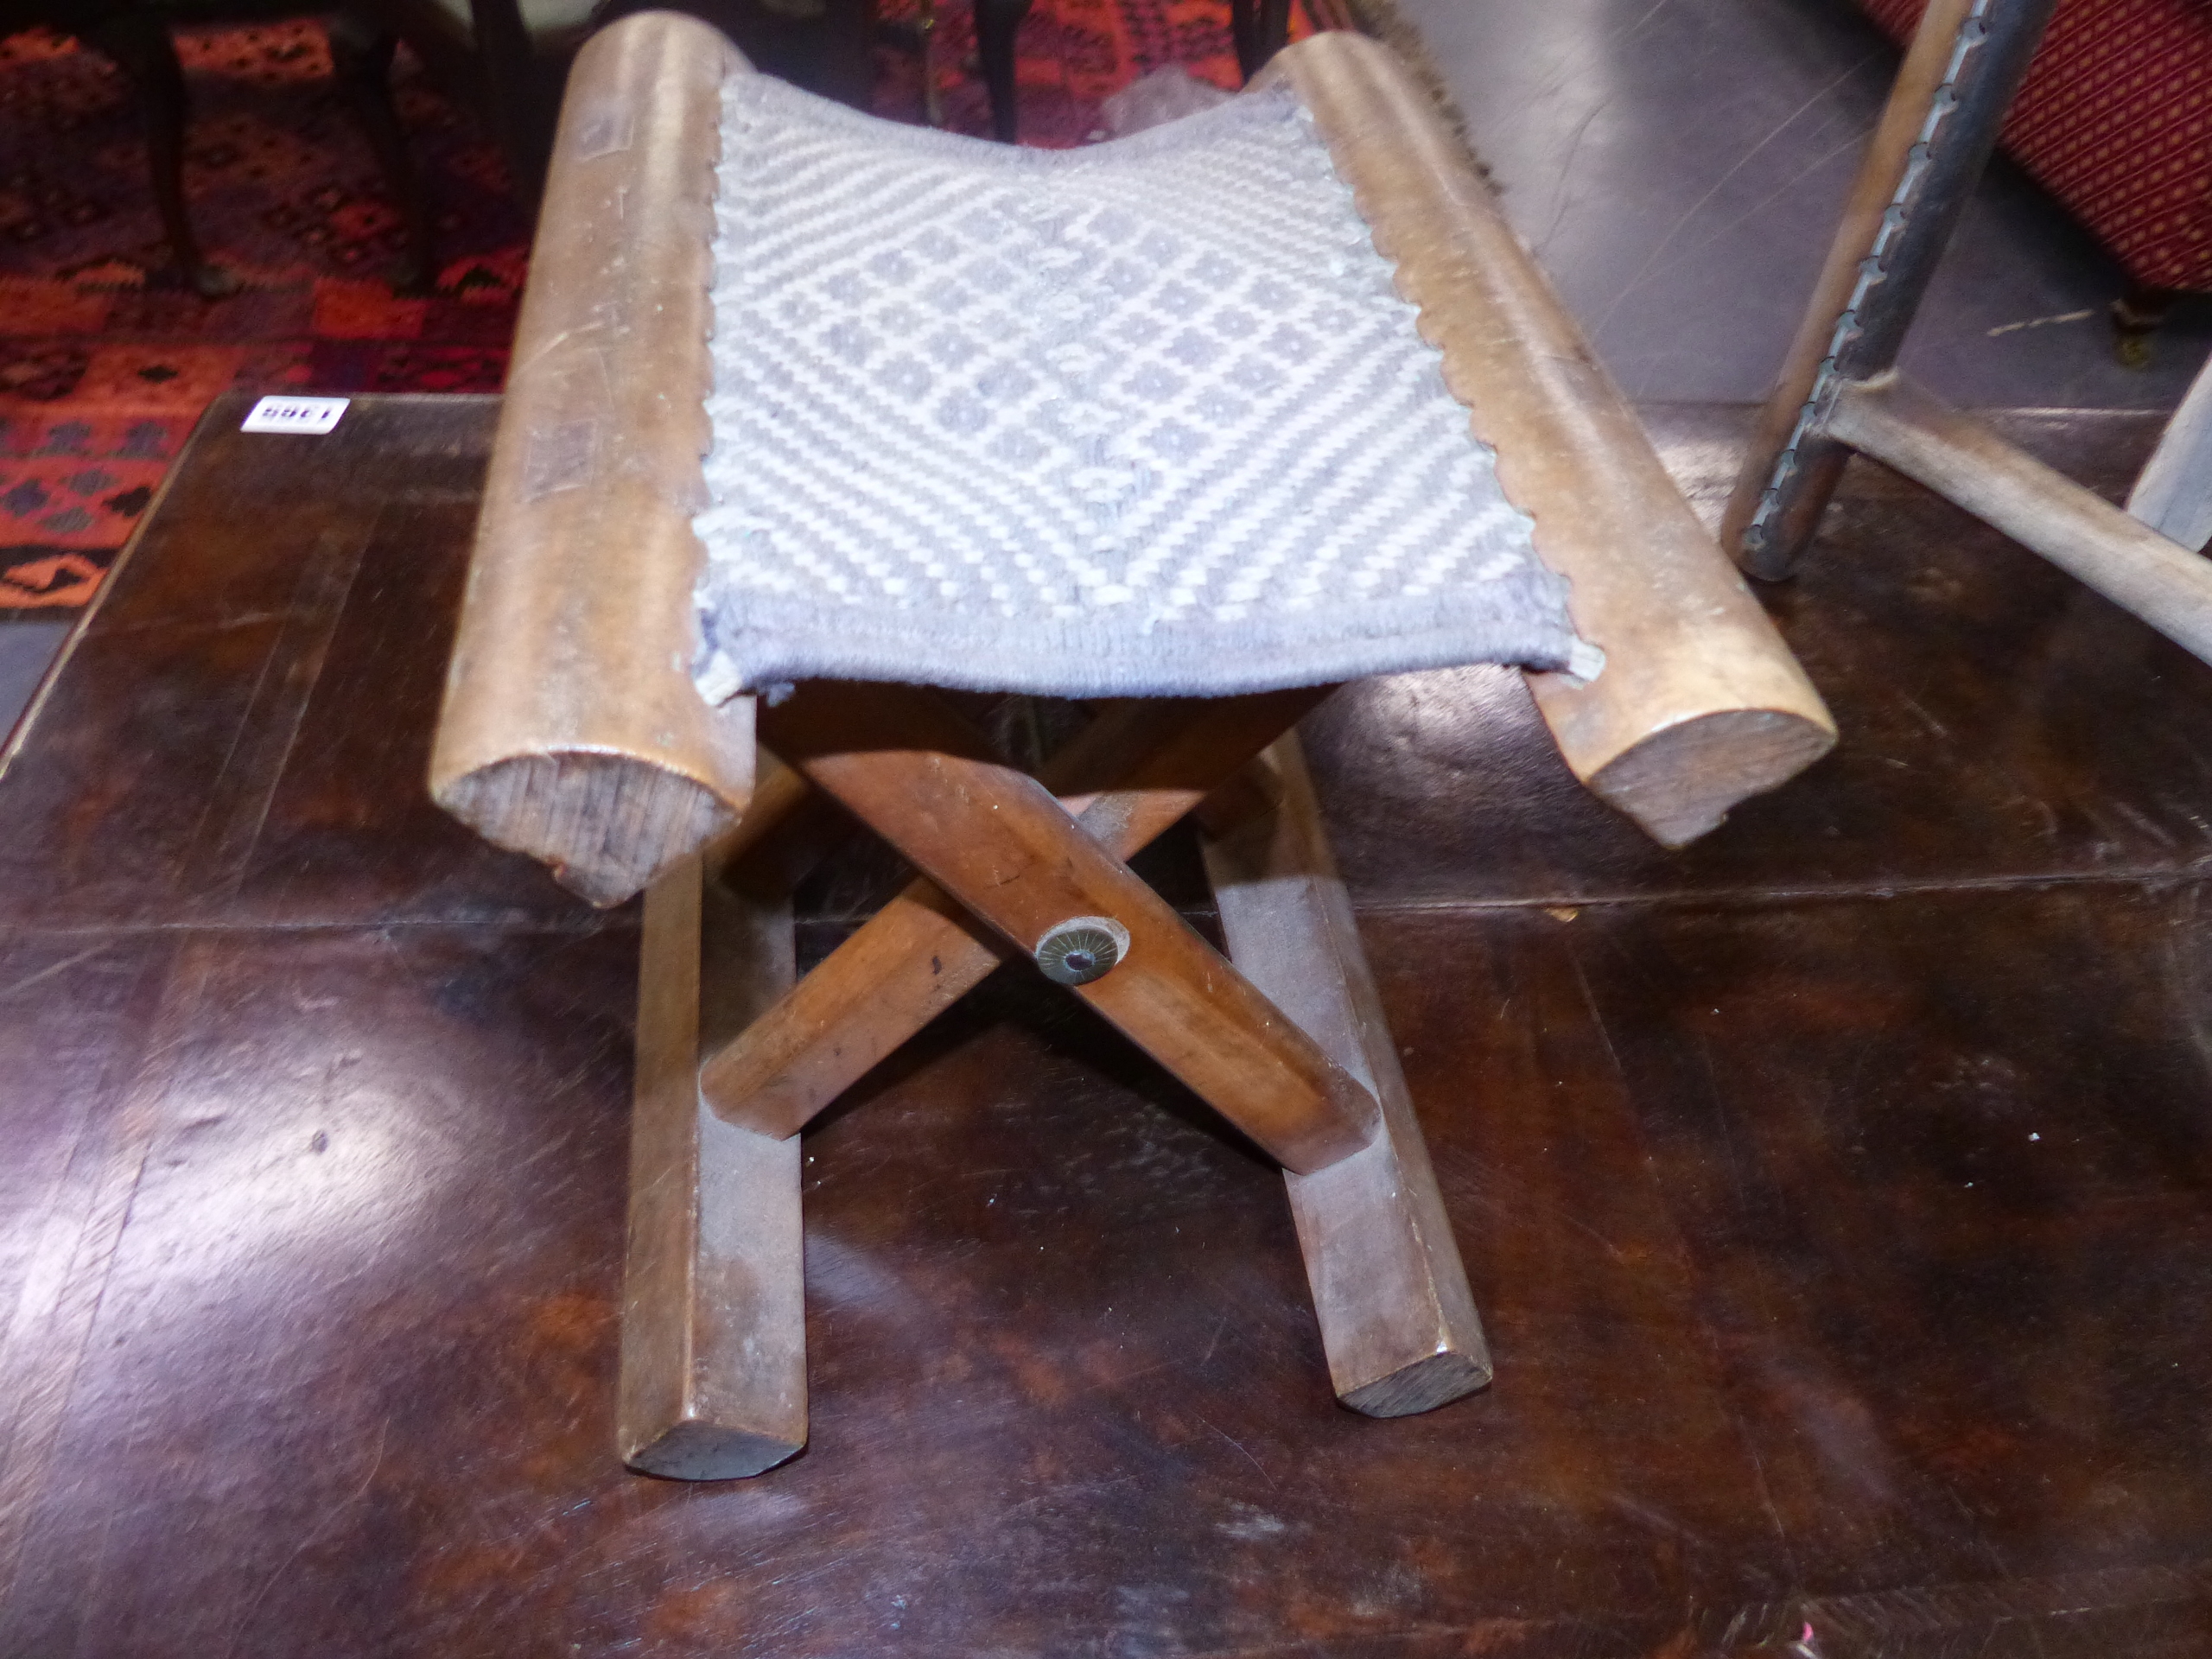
(714, 1311)
(1837, 1192)
(1389, 1293)
(572, 730)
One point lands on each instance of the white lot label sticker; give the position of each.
(313, 415)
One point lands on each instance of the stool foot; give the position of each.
(1396, 1316)
(713, 1314)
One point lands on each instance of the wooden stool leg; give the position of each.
(1396, 1316)
(714, 1313)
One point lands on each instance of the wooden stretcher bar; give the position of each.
(1892, 420)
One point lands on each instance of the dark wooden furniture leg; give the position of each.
(2136, 316)
(997, 21)
(361, 52)
(522, 105)
(139, 42)
(1275, 29)
(1259, 29)
(360, 57)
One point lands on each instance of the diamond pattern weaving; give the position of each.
(1143, 418)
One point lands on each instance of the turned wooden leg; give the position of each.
(1396, 1316)
(2139, 568)
(140, 44)
(714, 1313)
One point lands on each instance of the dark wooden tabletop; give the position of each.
(1838, 1192)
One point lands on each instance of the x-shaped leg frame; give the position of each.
(1285, 1037)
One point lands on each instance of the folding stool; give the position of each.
(573, 730)
(1840, 392)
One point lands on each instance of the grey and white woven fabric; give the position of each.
(1146, 418)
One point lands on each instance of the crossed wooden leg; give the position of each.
(1285, 1038)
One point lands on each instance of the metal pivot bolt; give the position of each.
(1082, 949)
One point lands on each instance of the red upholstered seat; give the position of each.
(2115, 120)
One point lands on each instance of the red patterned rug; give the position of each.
(1073, 56)
(106, 359)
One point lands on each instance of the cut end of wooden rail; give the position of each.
(1683, 779)
(607, 824)
(700, 1451)
(1422, 1386)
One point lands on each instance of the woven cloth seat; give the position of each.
(1148, 418)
